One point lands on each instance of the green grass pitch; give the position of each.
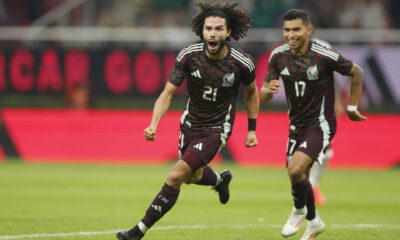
(67, 201)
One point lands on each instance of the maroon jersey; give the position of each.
(212, 86)
(308, 81)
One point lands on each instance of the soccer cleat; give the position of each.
(294, 222)
(131, 234)
(314, 228)
(319, 197)
(223, 187)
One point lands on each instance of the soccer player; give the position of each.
(214, 70)
(306, 68)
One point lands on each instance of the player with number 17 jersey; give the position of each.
(309, 82)
(212, 86)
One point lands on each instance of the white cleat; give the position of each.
(314, 228)
(294, 222)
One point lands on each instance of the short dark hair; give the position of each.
(293, 14)
(237, 19)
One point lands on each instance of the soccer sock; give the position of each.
(310, 203)
(143, 228)
(299, 191)
(209, 178)
(161, 204)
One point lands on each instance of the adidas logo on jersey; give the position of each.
(158, 208)
(196, 74)
(303, 145)
(198, 146)
(285, 71)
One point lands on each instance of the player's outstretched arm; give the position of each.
(252, 108)
(357, 77)
(269, 89)
(160, 109)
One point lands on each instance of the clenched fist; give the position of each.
(251, 139)
(150, 133)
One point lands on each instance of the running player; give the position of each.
(214, 70)
(306, 68)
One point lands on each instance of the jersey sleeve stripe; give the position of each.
(243, 57)
(325, 52)
(322, 42)
(240, 57)
(245, 63)
(196, 47)
(328, 51)
(239, 54)
(188, 48)
(279, 49)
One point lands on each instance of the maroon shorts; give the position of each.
(312, 141)
(198, 148)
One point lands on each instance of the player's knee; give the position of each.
(295, 173)
(179, 174)
(176, 178)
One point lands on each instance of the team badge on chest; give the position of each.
(228, 80)
(312, 73)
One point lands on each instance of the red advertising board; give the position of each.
(116, 136)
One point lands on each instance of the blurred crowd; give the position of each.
(178, 13)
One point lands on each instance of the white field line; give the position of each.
(357, 226)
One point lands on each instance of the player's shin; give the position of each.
(299, 191)
(161, 204)
(310, 203)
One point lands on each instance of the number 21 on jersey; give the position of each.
(210, 94)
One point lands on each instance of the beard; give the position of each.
(221, 44)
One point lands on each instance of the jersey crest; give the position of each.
(228, 79)
(312, 73)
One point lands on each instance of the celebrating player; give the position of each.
(306, 68)
(214, 71)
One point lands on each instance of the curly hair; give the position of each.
(237, 19)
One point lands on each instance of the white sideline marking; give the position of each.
(364, 225)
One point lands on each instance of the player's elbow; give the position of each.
(357, 71)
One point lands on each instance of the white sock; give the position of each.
(142, 227)
(219, 179)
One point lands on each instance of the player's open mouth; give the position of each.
(213, 45)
